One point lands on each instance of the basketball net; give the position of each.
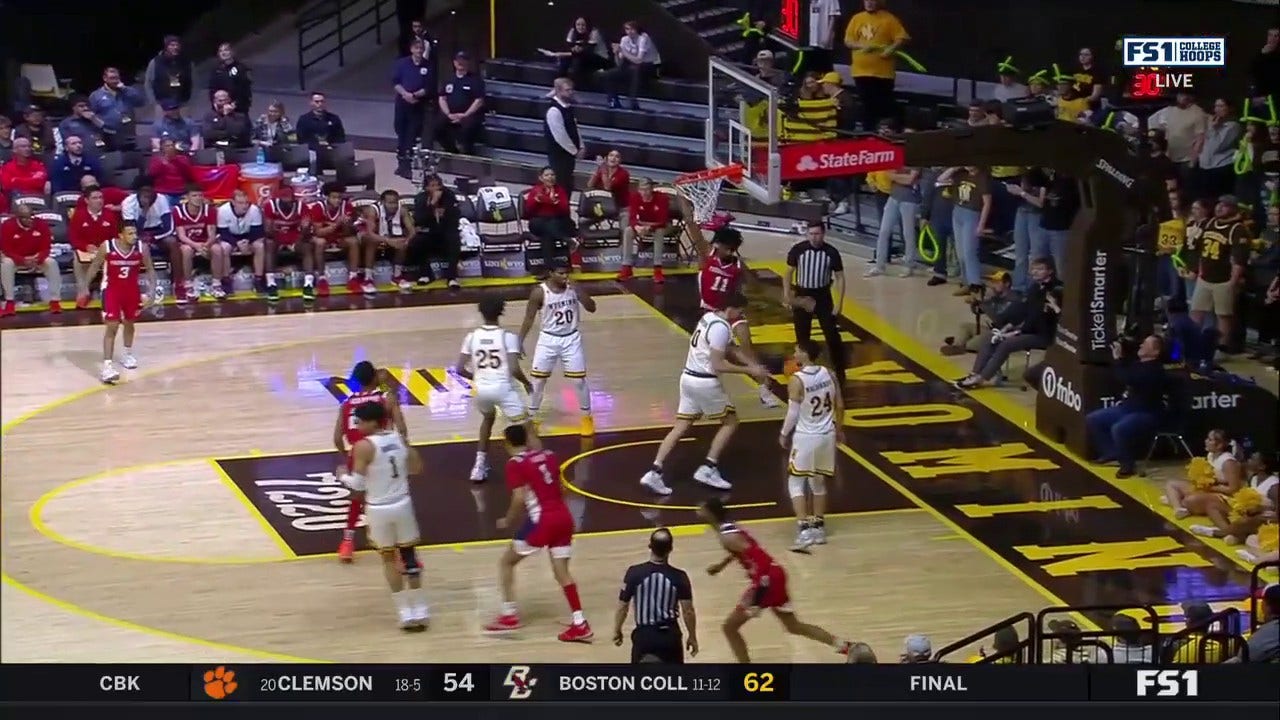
(702, 189)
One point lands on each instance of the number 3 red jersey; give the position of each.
(539, 471)
(121, 291)
(351, 433)
(718, 280)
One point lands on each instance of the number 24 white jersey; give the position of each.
(489, 347)
(712, 333)
(817, 407)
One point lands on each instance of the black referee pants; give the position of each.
(663, 642)
(824, 310)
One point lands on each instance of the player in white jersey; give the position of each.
(381, 465)
(702, 394)
(813, 427)
(559, 338)
(490, 358)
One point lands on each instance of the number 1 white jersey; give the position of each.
(712, 333)
(817, 411)
(489, 348)
(386, 480)
(560, 311)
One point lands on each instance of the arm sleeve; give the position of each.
(628, 590)
(512, 342)
(685, 590)
(793, 255)
(837, 262)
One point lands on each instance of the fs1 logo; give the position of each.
(1169, 683)
(1174, 52)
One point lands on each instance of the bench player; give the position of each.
(768, 588)
(721, 274)
(348, 431)
(388, 223)
(121, 261)
(285, 225)
(534, 479)
(332, 220)
(812, 429)
(559, 338)
(702, 394)
(381, 463)
(490, 358)
(195, 227)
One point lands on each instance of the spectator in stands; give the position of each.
(917, 649)
(564, 142)
(24, 173)
(1038, 85)
(1171, 237)
(1181, 123)
(1198, 647)
(115, 103)
(637, 59)
(766, 69)
(386, 225)
(1116, 432)
(611, 177)
(1071, 107)
(1247, 166)
(225, 125)
(1236, 524)
(546, 208)
(1061, 202)
(84, 124)
(233, 77)
(6, 133)
(1067, 645)
(36, 128)
(1264, 642)
(874, 35)
(936, 211)
(462, 104)
(332, 221)
(1132, 646)
(113, 197)
(585, 53)
(418, 31)
(26, 244)
(436, 214)
(1213, 174)
(87, 229)
(413, 79)
(649, 221)
(71, 165)
(1264, 71)
(1161, 166)
(320, 128)
(273, 127)
(149, 213)
(169, 74)
(1219, 258)
(996, 303)
(1029, 192)
(240, 232)
(1009, 87)
(1035, 332)
(184, 133)
(1090, 80)
(901, 210)
(170, 171)
(970, 219)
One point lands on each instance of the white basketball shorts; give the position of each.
(563, 349)
(392, 525)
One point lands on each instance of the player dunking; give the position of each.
(490, 358)
(347, 432)
(813, 427)
(121, 261)
(702, 394)
(534, 479)
(721, 275)
(768, 587)
(381, 463)
(559, 339)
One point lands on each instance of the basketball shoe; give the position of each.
(710, 476)
(346, 550)
(505, 622)
(578, 632)
(588, 426)
(653, 481)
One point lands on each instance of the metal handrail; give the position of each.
(347, 28)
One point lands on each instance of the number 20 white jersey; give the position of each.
(489, 347)
(560, 311)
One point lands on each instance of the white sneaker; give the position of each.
(1204, 530)
(1181, 513)
(804, 539)
(404, 286)
(710, 477)
(1247, 556)
(842, 208)
(109, 373)
(368, 288)
(768, 398)
(217, 292)
(479, 471)
(407, 620)
(128, 361)
(906, 272)
(421, 615)
(818, 535)
(653, 481)
(873, 271)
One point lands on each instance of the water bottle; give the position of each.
(261, 157)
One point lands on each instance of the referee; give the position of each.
(813, 267)
(660, 592)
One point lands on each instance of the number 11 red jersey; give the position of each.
(718, 281)
(351, 433)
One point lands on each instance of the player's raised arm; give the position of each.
(587, 302)
(531, 308)
(692, 227)
(362, 455)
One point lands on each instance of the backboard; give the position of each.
(742, 127)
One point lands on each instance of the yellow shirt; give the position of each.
(1172, 234)
(1070, 110)
(880, 180)
(879, 29)
(1006, 171)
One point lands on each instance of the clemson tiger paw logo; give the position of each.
(219, 682)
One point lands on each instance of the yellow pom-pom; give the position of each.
(1245, 503)
(1269, 537)
(1200, 473)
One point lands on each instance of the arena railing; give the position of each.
(1079, 638)
(1021, 654)
(1222, 629)
(1256, 584)
(326, 29)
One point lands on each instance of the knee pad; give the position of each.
(817, 485)
(795, 486)
(409, 558)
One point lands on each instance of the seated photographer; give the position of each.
(1034, 332)
(1114, 432)
(996, 305)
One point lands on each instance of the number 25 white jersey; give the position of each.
(817, 407)
(387, 478)
(712, 333)
(560, 311)
(488, 347)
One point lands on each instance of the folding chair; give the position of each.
(685, 249)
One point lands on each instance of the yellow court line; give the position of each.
(263, 522)
(628, 503)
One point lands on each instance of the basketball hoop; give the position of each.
(702, 188)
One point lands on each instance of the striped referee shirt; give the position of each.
(815, 265)
(656, 589)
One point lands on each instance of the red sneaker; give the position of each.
(354, 283)
(625, 273)
(322, 287)
(575, 259)
(658, 277)
(82, 302)
(504, 623)
(8, 309)
(580, 632)
(55, 307)
(346, 550)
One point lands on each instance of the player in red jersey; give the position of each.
(368, 384)
(768, 587)
(121, 261)
(286, 223)
(722, 273)
(194, 226)
(333, 224)
(534, 479)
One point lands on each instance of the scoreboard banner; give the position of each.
(600, 684)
